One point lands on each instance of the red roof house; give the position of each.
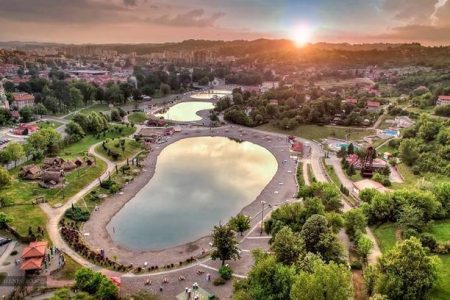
(443, 100)
(351, 101)
(373, 105)
(297, 147)
(22, 99)
(33, 256)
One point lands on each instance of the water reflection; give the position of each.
(198, 182)
(186, 111)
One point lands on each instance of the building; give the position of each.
(443, 100)
(373, 106)
(25, 129)
(22, 99)
(351, 101)
(34, 256)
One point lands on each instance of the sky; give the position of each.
(152, 21)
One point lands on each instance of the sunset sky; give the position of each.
(136, 21)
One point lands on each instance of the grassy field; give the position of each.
(131, 148)
(95, 107)
(137, 118)
(315, 132)
(52, 124)
(385, 235)
(442, 291)
(441, 230)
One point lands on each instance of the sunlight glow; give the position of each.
(302, 35)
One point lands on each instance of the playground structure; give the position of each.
(367, 168)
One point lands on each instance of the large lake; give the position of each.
(186, 111)
(198, 183)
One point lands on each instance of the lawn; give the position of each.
(131, 149)
(95, 107)
(441, 230)
(52, 124)
(385, 235)
(315, 132)
(137, 118)
(442, 291)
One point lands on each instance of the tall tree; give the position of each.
(240, 223)
(225, 244)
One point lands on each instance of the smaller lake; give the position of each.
(186, 111)
(198, 182)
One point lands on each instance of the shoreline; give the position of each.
(99, 236)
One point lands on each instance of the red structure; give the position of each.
(367, 163)
(34, 256)
(25, 129)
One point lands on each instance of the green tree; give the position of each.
(39, 109)
(76, 97)
(240, 223)
(74, 131)
(115, 116)
(95, 284)
(4, 219)
(326, 282)
(355, 222)
(15, 151)
(320, 239)
(287, 246)
(408, 151)
(5, 178)
(225, 244)
(267, 280)
(406, 271)
(26, 114)
(164, 89)
(364, 246)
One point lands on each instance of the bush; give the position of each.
(77, 214)
(356, 265)
(219, 281)
(428, 240)
(226, 272)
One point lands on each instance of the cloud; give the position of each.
(428, 33)
(414, 12)
(192, 18)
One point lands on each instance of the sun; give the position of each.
(302, 35)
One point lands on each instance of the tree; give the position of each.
(287, 246)
(240, 223)
(325, 282)
(74, 131)
(115, 116)
(411, 217)
(364, 246)
(15, 152)
(406, 271)
(164, 89)
(350, 149)
(114, 94)
(40, 109)
(4, 219)
(76, 97)
(267, 280)
(225, 245)
(320, 239)
(355, 222)
(95, 284)
(5, 178)
(408, 151)
(26, 114)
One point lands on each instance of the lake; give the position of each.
(198, 182)
(186, 111)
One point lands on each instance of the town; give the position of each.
(241, 169)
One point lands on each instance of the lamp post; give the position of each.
(262, 215)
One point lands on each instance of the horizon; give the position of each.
(145, 21)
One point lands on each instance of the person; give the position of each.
(208, 277)
(160, 288)
(148, 282)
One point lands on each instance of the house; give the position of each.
(353, 160)
(68, 165)
(53, 162)
(51, 178)
(297, 147)
(273, 102)
(351, 101)
(373, 106)
(30, 172)
(443, 100)
(34, 256)
(22, 100)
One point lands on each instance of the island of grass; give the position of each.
(137, 117)
(118, 149)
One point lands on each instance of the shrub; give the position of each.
(428, 240)
(226, 272)
(77, 214)
(219, 281)
(356, 265)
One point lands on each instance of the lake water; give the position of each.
(198, 183)
(186, 111)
